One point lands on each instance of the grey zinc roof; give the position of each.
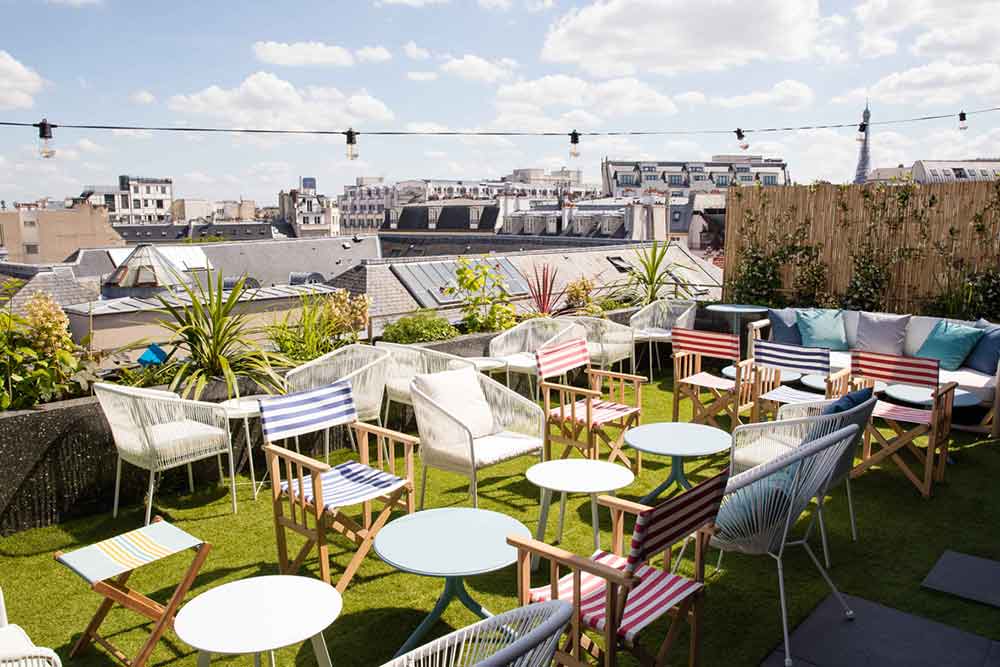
(59, 283)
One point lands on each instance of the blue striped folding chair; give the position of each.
(107, 566)
(771, 359)
(313, 492)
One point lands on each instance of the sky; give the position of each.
(550, 65)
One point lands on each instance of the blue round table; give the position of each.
(676, 440)
(817, 382)
(736, 311)
(786, 376)
(452, 543)
(922, 396)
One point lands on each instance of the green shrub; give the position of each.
(423, 326)
(323, 324)
(482, 290)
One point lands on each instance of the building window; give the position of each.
(135, 203)
(676, 179)
(30, 248)
(769, 179)
(699, 177)
(746, 178)
(163, 189)
(959, 172)
(159, 203)
(722, 181)
(30, 223)
(677, 215)
(317, 219)
(147, 189)
(135, 189)
(124, 201)
(651, 177)
(742, 170)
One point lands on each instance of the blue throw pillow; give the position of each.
(986, 353)
(848, 401)
(950, 344)
(822, 328)
(784, 326)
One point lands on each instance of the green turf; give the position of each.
(901, 537)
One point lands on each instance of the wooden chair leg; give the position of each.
(366, 544)
(90, 632)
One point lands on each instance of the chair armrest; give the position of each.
(308, 462)
(570, 560)
(756, 328)
(392, 438)
(622, 505)
(575, 391)
(801, 410)
(511, 411)
(628, 377)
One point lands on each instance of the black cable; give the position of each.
(493, 133)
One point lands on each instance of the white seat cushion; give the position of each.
(760, 451)
(13, 638)
(980, 384)
(521, 362)
(459, 394)
(398, 390)
(840, 360)
(504, 446)
(654, 334)
(187, 440)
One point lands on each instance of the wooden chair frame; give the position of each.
(730, 402)
(362, 534)
(767, 378)
(579, 646)
(116, 591)
(569, 425)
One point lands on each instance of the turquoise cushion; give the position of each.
(985, 356)
(822, 328)
(950, 344)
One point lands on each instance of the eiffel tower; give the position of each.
(864, 154)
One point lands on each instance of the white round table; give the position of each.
(246, 408)
(786, 376)
(676, 440)
(735, 312)
(259, 615)
(817, 382)
(452, 543)
(575, 476)
(923, 396)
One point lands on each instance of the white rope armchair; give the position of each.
(17, 649)
(655, 322)
(365, 366)
(468, 422)
(608, 342)
(522, 637)
(516, 347)
(157, 430)
(408, 361)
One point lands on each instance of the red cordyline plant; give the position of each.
(544, 295)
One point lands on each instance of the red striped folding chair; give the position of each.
(617, 596)
(866, 368)
(725, 397)
(573, 412)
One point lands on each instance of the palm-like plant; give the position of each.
(544, 295)
(217, 341)
(653, 275)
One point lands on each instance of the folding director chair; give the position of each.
(107, 566)
(726, 397)
(866, 368)
(771, 359)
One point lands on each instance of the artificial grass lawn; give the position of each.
(901, 536)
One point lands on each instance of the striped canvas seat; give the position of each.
(348, 484)
(709, 381)
(656, 593)
(785, 394)
(901, 413)
(128, 551)
(602, 412)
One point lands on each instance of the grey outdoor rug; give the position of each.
(967, 577)
(881, 636)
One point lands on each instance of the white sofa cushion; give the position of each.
(504, 446)
(980, 384)
(459, 393)
(851, 319)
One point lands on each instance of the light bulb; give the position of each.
(574, 144)
(45, 143)
(741, 139)
(962, 123)
(352, 144)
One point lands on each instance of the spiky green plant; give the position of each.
(542, 288)
(217, 341)
(653, 276)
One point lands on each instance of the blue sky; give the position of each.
(479, 64)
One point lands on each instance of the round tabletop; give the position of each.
(678, 439)
(923, 396)
(579, 476)
(485, 364)
(817, 382)
(245, 406)
(786, 376)
(735, 308)
(449, 542)
(258, 614)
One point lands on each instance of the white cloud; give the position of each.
(299, 54)
(620, 37)
(88, 146)
(18, 83)
(935, 83)
(936, 28)
(199, 177)
(613, 97)
(267, 101)
(414, 52)
(473, 68)
(421, 76)
(502, 5)
(410, 3)
(691, 98)
(787, 95)
(373, 54)
(539, 5)
(133, 134)
(142, 97)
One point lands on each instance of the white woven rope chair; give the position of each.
(771, 359)
(607, 342)
(468, 422)
(408, 361)
(522, 637)
(367, 368)
(158, 430)
(516, 347)
(17, 649)
(763, 504)
(654, 323)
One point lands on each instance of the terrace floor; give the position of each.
(902, 535)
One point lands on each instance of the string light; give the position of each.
(741, 139)
(862, 130)
(352, 144)
(45, 140)
(574, 144)
(962, 123)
